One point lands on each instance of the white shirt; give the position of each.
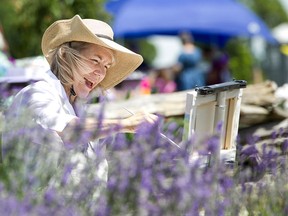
(47, 102)
(45, 108)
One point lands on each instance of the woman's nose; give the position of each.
(101, 70)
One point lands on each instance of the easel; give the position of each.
(206, 109)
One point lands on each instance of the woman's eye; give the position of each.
(96, 61)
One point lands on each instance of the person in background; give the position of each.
(188, 70)
(164, 81)
(83, 58)
(158, 80)
(219, 71)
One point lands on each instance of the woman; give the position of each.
(188, 72)
(82, 57)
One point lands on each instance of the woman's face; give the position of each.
(99, 59)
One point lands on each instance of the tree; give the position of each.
(24, 21)
(271, 11)
(242, 62)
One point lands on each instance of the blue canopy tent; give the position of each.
(208, 20)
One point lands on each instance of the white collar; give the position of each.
(57, 86)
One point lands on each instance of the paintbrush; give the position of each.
(161, 134)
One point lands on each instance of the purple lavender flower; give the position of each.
(147, 176)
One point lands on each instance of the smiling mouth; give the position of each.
(88, 83)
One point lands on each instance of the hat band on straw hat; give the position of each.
(104, 36)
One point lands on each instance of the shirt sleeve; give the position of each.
(46, 107)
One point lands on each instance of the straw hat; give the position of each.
(96, 32)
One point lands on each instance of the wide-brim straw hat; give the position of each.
(95, 32)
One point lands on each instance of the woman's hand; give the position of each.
(131, 123)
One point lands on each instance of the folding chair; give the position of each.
(206, 109)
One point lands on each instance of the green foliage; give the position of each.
(24, 21)
(143, 47)
(270, 11)
(241, 60)
(148, 51)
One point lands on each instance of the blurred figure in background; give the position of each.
(160, 80)
(188, 70)
(164, 82)
(219, 71)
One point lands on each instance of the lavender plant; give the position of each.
(147, 176)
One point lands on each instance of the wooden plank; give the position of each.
(258, 105)
(172, 104)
